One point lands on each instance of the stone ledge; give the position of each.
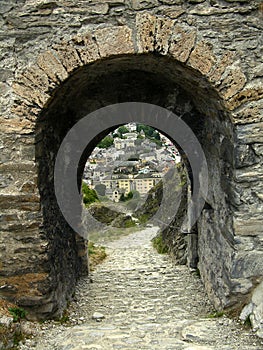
(248, 227)
(20, 201)
(250, 133)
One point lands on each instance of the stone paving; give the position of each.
(139, 299)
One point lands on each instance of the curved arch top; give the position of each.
(195, 57)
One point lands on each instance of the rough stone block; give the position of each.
(164, 28)
(172, 12)
(250, 133)
(31, 94)
(145, 25)
(25, 110)
(244, 156)
(220, 67)
(99, 9)
(143, 4)
(114, 41)
(182, 42)
(202, 57)
(249, 174)
(86, 47)
(37, 77)
(52, 66)
(16, 125)
(247, 265)
(27, 202)
(247, 94)
(251, 112)
(233, 81)
(68, 56)
(247, 227)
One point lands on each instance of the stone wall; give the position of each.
(62, 60)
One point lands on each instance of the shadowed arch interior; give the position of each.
(138, 78)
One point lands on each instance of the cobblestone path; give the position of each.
(140, 300)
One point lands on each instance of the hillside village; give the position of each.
(135, 159)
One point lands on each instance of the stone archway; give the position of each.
(159, 62)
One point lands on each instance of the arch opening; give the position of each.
(139, 78)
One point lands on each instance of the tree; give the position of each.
(106, 142)
(122, 130)
(149, 132)
(100, 189)
(89, 195)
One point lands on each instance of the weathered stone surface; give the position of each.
(164, 29)
(86, 48)
(35, 96)
(250, 174)
(16, 125)
(245, 156)
(247, 227)
(68, 56)
(38, 77)
(172, 12)
(247, 94)
(220, 67)
(145, 25)
(24, 202)
(182, 43)
(202, 57)
(142, 4)
(233, 81)
(200, 331)
(251, 112)
(250, 133)
(52, 66)
(114, 39)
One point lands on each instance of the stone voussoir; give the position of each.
(52, 66)
(182, 42)
(202, 57)
(114, 39)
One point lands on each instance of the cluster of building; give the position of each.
(132, 163)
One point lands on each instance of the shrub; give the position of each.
(17, 312)
(89, 195)
(96, 254)
(160, 245)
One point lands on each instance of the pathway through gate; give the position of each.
(147, 303)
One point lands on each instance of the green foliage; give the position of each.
(247, 322)
(64, 318)
(150, 133)
(18, 337)
(129, 223)
(126, 198)
(18, 313)
(197, 273)
(143, 218)
(216, 314)
(160, 245)
(89, 195)
(106, 142)
(100, 189)
(122, 130)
